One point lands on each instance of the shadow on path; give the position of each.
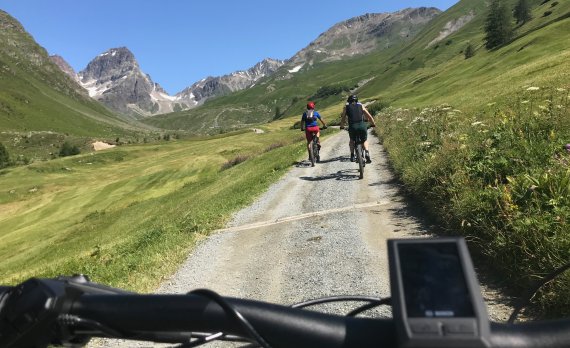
(343, 175)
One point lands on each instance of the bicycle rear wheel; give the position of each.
(312, 153)
(360, 159)
(316, 150)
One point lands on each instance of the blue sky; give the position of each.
(179, 42)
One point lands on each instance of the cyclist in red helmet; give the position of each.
(309, 124)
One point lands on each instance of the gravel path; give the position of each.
(320, 231)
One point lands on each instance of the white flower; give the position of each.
(560, 89)
(477, 123)
(399, 119)
(533, 88)
(524, 102)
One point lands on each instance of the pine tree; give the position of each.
(522, 12)
(469, 51)
(498, 27)
(4, 156)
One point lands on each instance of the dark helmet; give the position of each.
(352, 99)
(310, 105)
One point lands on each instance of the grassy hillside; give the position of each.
(36, 96)
(415, 74)
(128, 215)
(420, 75)
(488, 159)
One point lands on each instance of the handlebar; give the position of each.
(72, 309)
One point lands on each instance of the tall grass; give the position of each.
(499, 176)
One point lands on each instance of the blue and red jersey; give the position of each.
(310, 122)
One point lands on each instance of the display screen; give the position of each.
(433, 280)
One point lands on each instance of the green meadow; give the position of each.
(127, 216)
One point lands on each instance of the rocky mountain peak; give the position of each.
(363, 34)
(110, 65)
(64, 66)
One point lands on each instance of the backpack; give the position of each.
(311, 116)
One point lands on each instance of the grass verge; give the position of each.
(500, 177)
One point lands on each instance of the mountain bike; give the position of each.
(314, 148)
(436, 302)
(360, 156)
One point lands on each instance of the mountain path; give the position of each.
(320, 231)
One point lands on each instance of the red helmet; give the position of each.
(310, 105)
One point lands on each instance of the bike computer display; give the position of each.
(436, 298)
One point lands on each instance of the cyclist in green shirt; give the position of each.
(357, 116)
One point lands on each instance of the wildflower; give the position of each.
(560, 89)
(477, 123)
(399, 119)
(533, 88)
(524, 102)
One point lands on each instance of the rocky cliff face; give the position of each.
(217, 86)
(64, 66)
(115, 79)
(363, 34)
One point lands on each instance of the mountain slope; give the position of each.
(302, 76)
(426, 73)
(210, 87)
(429, 68)
(36, 95)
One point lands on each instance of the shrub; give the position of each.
(327, 91)
(376, 107)
(68, 150)
(554, 4)
(4, 156)
(469, 51)
(547, 13)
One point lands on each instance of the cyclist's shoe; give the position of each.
(352, 157)
(367, 156)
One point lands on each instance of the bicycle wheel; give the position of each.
(360, 158)
(312, 153)
(316, 150)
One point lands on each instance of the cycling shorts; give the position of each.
(358, 130)
(309, 132)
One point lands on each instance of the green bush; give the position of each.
(327, 91)
(469, 51)
(376, 107)
(68, 150)
(4, 156)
